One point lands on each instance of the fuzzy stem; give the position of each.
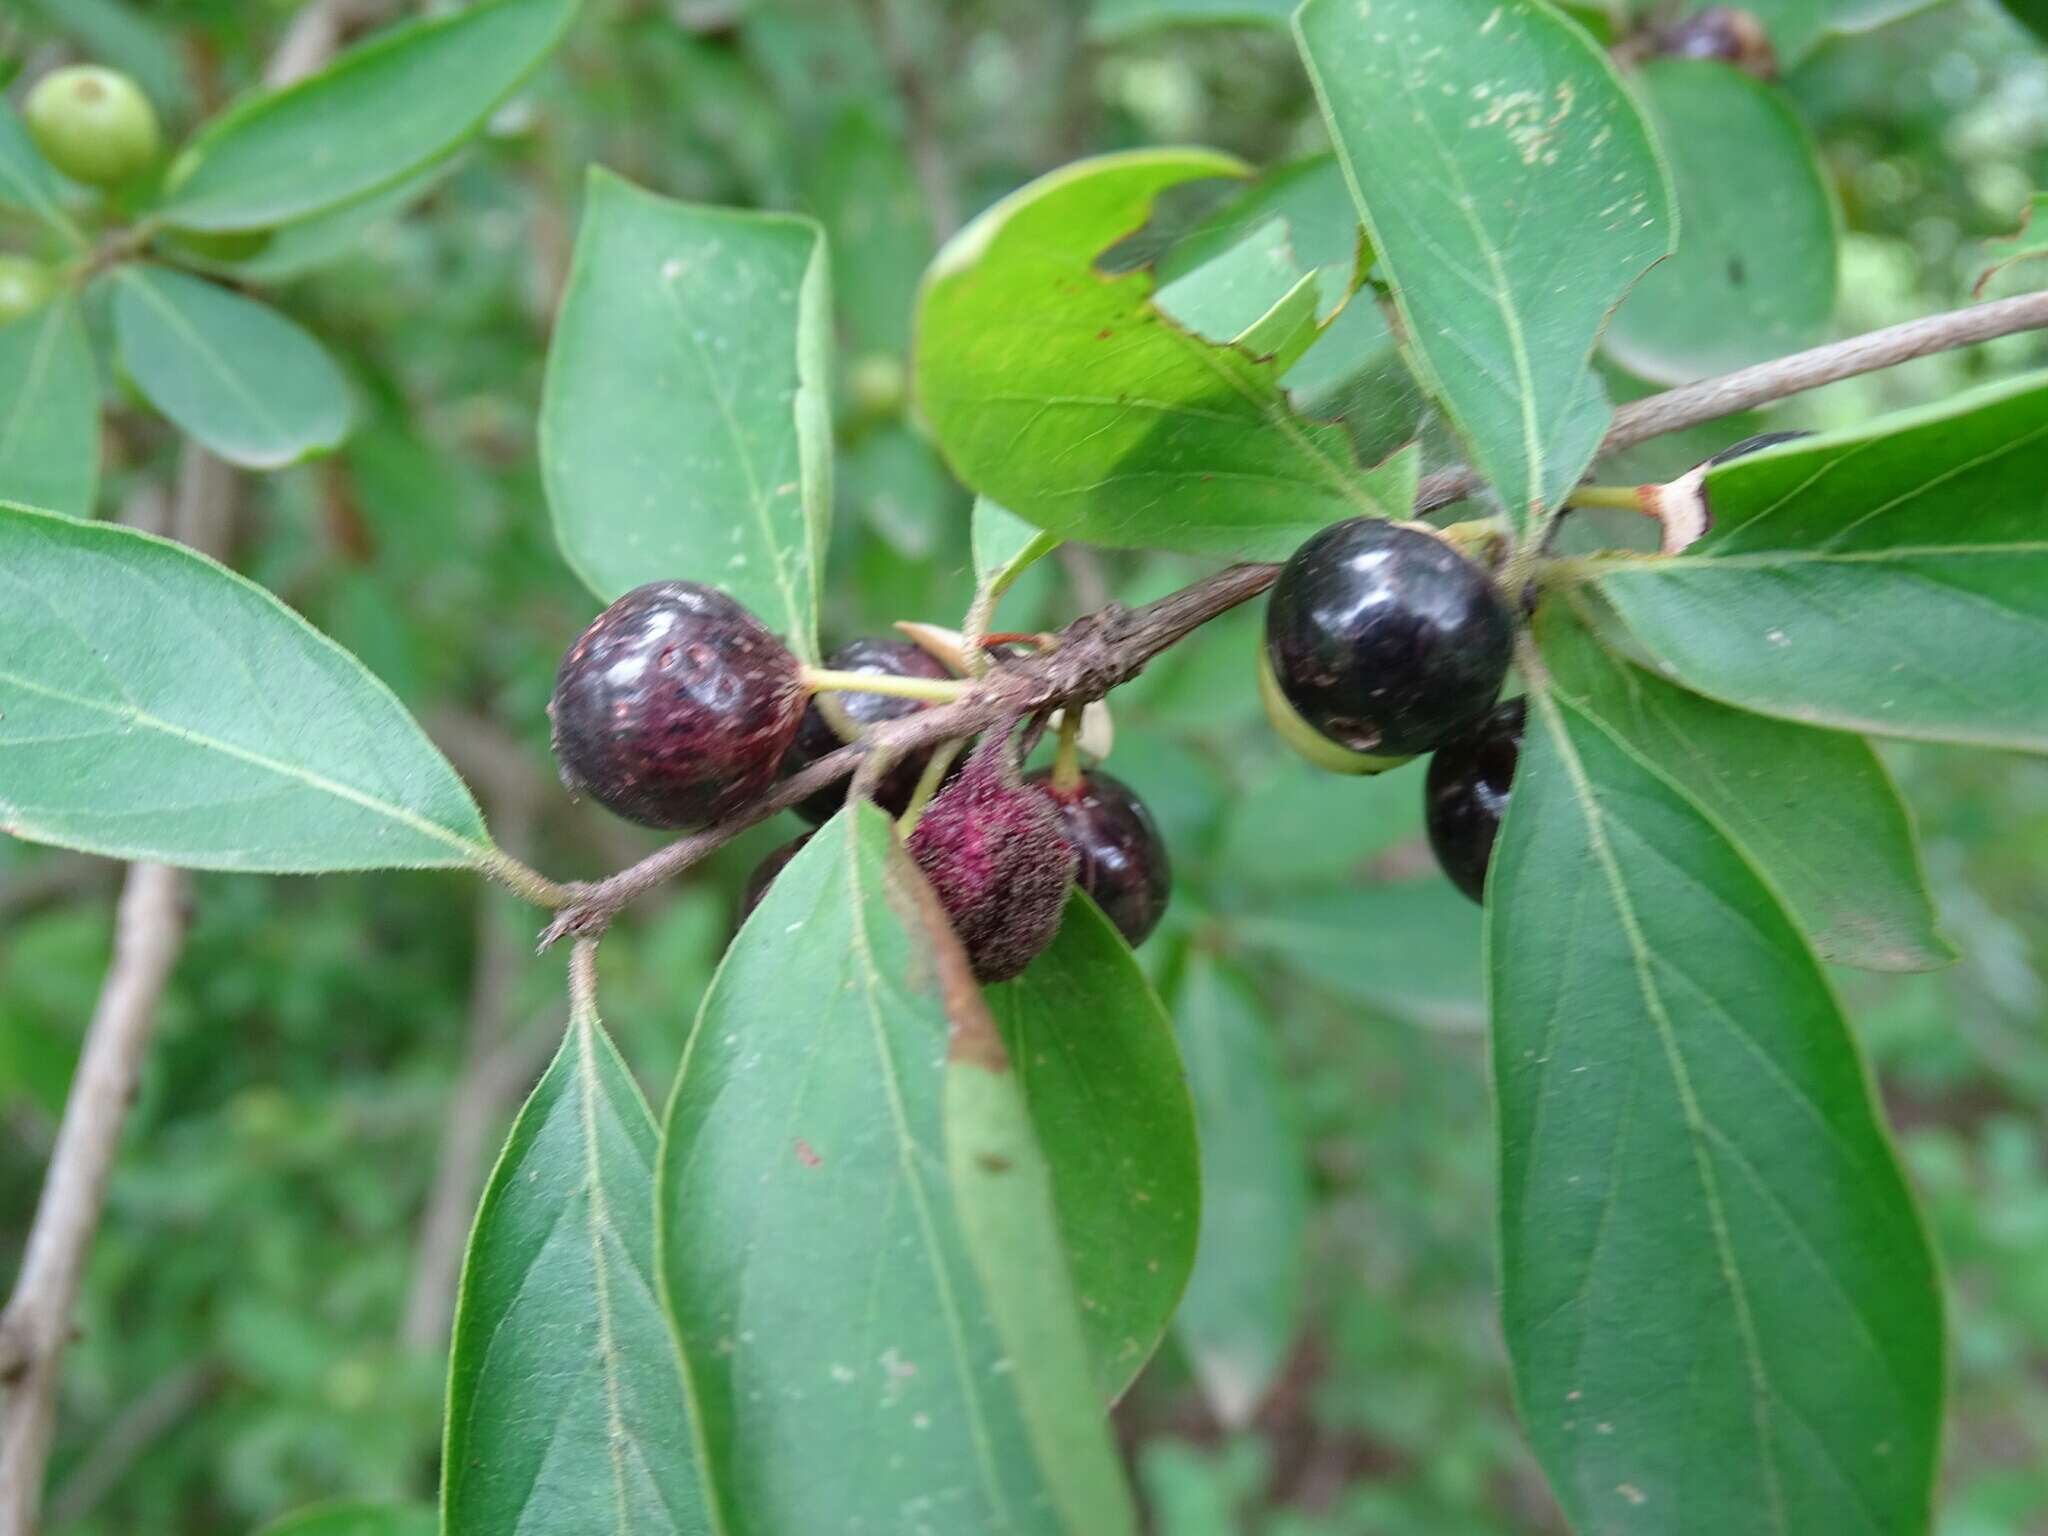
(1066, 759)
(1623, 498)
(930, 690)
(928, 784)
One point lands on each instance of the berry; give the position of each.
(92, 124)
(764, 874)
(1724, 33)
(1121, 858)
(816, 738)
(1382, 642)
(998, 860)
(674, 708)
(1467, 793)
(25, 287)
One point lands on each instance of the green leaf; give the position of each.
(1513, 195)
(232, 373)
(685, 430)
(1238, 1319)
(1312, 205)
(1005, 546)
(566, 1411)
(1297, 824)
(1755, 273)
(1068, 396)
(1096, 1061)
(1890, 579)
(1116, 19)
(381, 112)
(1797, 27)
(322, 238)
(830, 1288)
(1410, 949)
(26, 180)
(1814, 810)
(355, 1520)
(49, 411)
(1721, 1308)
(154, 705)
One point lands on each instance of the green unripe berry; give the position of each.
(25, 285)
(879, 384)
(92, 124)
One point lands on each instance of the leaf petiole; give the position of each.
(932, 690)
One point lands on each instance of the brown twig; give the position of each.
(149, 930)
(1690, 405)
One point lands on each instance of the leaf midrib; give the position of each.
(1695, 1121)
(472, 852)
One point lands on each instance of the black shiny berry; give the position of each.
(764, 873)
(675, 707)
(815, 737)
(1384, 640)
(1467, 794)
(998, 859)
(1122, 859)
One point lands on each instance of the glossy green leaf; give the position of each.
(381, 112)
(1243, 1304)
(1005, 546)
(1309, 200)
(1814, 810)
(154, 705)
(1095, 1057)
(1891, 579)
(1513, 195)
(355, 1520)
(49, 411)
(232, 373)
(566, 1411)
(686, 428)
(26, 180)
(1721, 1308)
(1065, 394)
(830, 1296)
(1755, 273)
(1408, 948)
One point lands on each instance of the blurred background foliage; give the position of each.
(265, 1316)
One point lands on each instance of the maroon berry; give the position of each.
(675, 707)
(1122, 859)
(815, 737)
(764, 874)
(995, 855)
(1467, 794)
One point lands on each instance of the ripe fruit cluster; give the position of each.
(1383, 643)
(677, 708)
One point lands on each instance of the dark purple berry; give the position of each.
(1724, 33)
(1121, 858)
(995, 855)
(815, 737)
(1467, 794)
(1385, 640)
(675, 707)
(764, 874)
